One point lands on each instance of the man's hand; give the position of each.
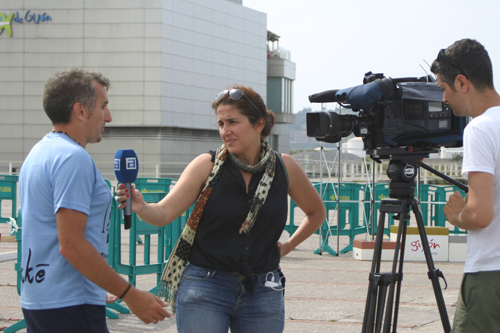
(453, 207)
(477, 211)
(111, 299)
(146, 306)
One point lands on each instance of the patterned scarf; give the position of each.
(179, 257)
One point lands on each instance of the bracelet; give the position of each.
(126, 291)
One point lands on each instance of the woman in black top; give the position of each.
(231, 240)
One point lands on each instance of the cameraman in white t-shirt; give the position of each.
(464, 73)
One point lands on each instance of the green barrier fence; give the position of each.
(8, 192)
(432, 198)
(349, 213)
(349, 223)
(355, 200)
(154, 185)
(140, 228)
(441, 198)
(18, 268)
(153, 190)
(153, 262)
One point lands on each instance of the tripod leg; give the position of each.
(399, 276)
(382, 298)
(433, 273)
(375, 278)
(383, 282)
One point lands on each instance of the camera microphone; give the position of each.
(126, 167)
(324, 97)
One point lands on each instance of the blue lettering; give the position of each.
(31, 17)
(17, 18)
(27, 17)
(44, 17)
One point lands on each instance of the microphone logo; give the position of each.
(131, 163)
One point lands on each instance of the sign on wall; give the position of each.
(26, 17)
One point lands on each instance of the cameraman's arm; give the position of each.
(476, 212)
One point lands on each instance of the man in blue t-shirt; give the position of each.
(65, 205)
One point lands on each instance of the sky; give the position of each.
(334, 43)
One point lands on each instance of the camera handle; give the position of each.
(401, 191)
(461, 186)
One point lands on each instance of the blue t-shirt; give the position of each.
(59, 173)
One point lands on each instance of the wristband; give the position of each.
(126, 291)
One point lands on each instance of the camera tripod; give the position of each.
(402, 171)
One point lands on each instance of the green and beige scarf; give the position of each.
(179, 257)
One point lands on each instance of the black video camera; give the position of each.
(402, 112)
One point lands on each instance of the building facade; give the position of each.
(166, 60)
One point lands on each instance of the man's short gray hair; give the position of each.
(67, 87)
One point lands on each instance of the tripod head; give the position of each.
(402, 169)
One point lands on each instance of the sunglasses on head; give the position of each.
(235, 94)
(442, 56)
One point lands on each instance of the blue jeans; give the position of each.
(211, 301)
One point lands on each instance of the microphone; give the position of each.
(126, 167)
(359, 97)
(324, 97)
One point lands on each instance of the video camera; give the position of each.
(402, 112)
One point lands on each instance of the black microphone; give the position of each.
(126, 167)
(324, 97)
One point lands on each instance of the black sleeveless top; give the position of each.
(218, 243)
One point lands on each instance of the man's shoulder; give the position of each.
(489, 118)
(492, 110)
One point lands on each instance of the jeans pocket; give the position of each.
(271, 280)
(196, 273)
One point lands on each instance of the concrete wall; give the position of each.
(166, 60)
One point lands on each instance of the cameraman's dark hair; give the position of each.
(247, 109)
(67, 87)
(469, 56)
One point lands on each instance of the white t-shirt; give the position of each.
(482, 154)
(58, 173)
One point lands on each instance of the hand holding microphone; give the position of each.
(126, 167)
